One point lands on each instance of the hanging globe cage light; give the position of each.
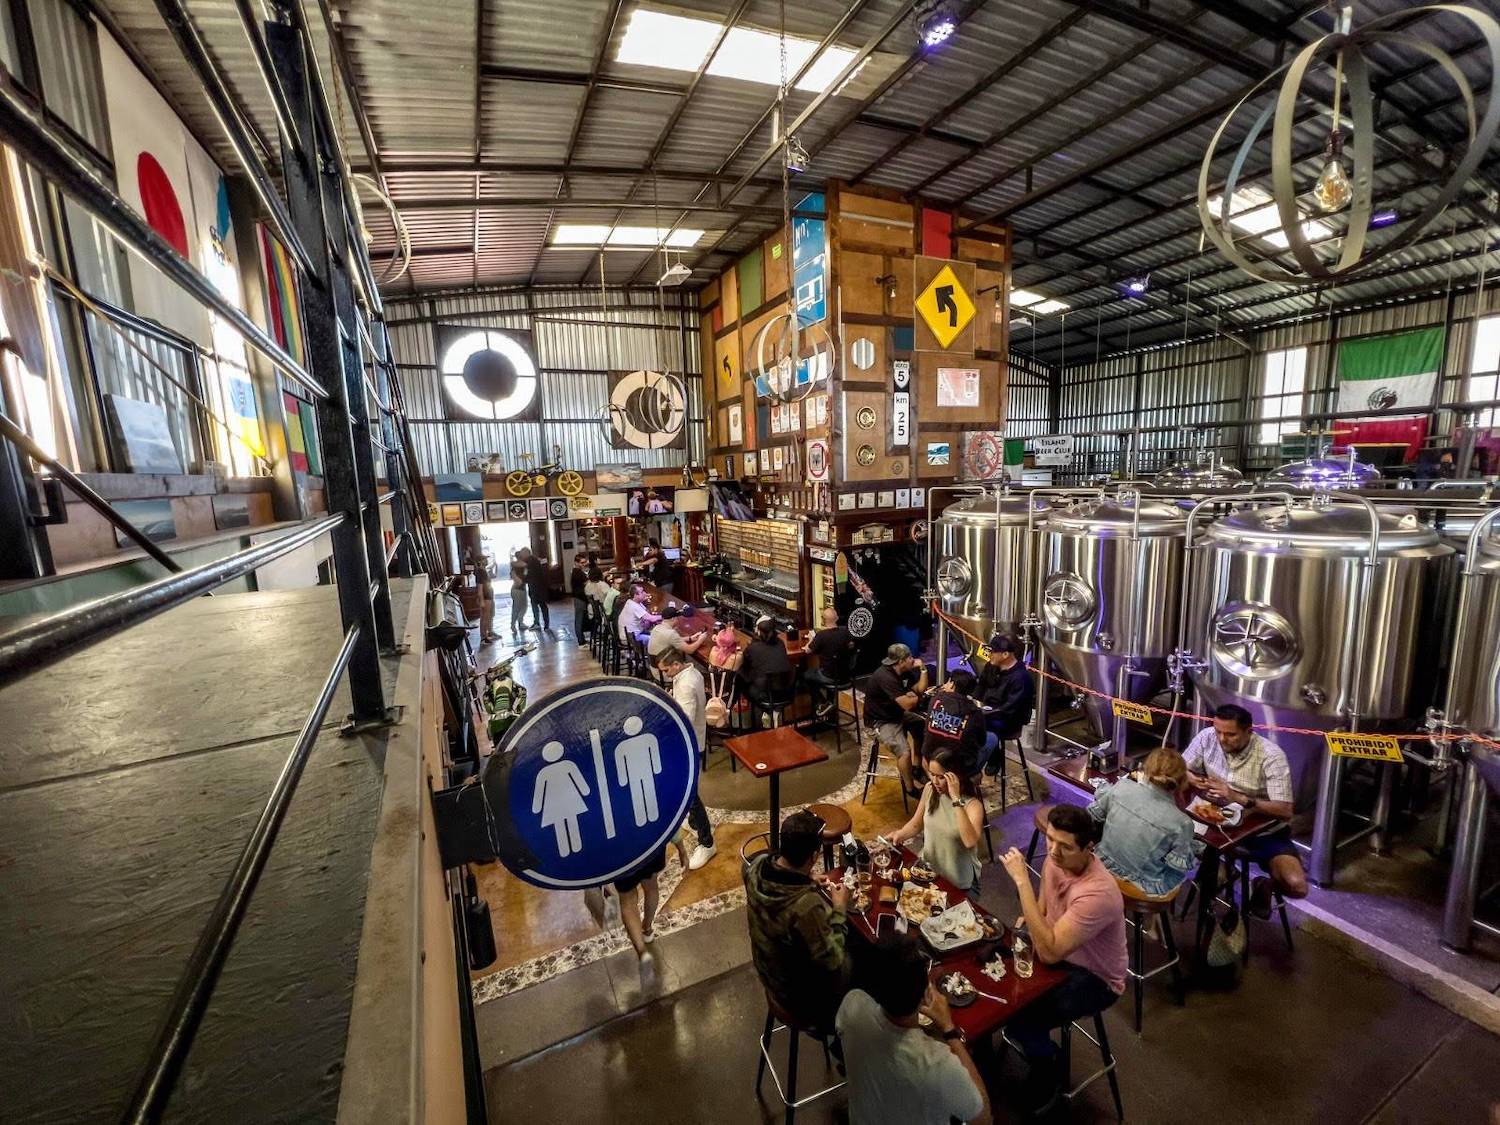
(1337, 188)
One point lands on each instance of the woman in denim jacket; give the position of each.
(1148, 840)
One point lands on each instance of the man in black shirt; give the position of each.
(1006, 688)
(576, 581)
(892, 694)
(833, 645)
(954, 719)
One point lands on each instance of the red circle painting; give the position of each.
(159, 200)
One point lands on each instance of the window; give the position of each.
(1281, 386)
(1483, 383)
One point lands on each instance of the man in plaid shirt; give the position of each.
(1230, 762)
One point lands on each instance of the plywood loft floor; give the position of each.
(539, 934)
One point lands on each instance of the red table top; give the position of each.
(775, 751)
(1076, 772)
(984, 1016)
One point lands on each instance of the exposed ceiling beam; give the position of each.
(570, 203)
(1000, 72)
(512, 168)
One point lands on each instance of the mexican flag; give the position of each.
(1394, 375)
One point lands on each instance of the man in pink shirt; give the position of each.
(1078, 926)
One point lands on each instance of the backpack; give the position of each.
(716, 710)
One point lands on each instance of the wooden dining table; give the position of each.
(1216, 838)
(1006, 997)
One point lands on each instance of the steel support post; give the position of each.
(395, 461)
(343, 427)
(1468, 851)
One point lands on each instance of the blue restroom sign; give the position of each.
(591, 782)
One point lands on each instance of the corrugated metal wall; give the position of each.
(1167, 390)
(579, 340)
(1026, 410)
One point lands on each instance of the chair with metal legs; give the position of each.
(1025, 769)
(872, 769)
(779, 1019)
(1107, 1062)
(1143, 912)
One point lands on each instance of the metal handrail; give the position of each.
(22, 441)
(32, 647)
(196, 985)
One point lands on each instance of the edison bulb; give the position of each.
(1333, 191)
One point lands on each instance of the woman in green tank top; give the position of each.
(950, 819)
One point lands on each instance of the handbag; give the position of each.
(1228, 942)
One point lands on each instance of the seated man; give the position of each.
(1148, 841)
(1230, 762)
(634, 616)
(665, 637)
(1078, 926)
(898, 1072)
(833, 645)
(798, 937)
(1005, 686)
(955, 721)
(892, 694)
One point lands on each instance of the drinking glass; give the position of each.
(1022, 956)
(882, 858)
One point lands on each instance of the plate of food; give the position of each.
(862, 902)
(955, 928)
(959, 990)
(918, 872)
(918, 903)
(1225, 816)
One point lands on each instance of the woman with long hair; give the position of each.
(517, 597)
(950, 819)
(1148, 840)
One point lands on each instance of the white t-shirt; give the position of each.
(664, 637)
(631, 617)
(687, 689)
(900, 1074)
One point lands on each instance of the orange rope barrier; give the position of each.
(1096, 693)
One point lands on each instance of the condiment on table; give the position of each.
(1217, 838)
(996, 1002)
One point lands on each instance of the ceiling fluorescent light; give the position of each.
(590, 234)
(1047, 308)
(1024, 298)
(673, 42)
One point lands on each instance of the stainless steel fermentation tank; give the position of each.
(1318, 613)
(985, 560)
(1112, 568)
(1472, 706)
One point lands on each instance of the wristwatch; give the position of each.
(955, 1033)
(960, 802)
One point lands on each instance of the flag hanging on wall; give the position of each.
(282, 314)
(1394, 375)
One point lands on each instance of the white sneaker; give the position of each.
(701, 856)
(648, 936)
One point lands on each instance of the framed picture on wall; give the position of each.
(474, 511)
(778, 459)
(536, 509)
(765, 460)
(750, 465)
(453, 514)
(736, 424)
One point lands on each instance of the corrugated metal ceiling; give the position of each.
(1080, 123)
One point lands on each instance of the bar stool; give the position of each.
(1107, 1060)
(989, 843)
(872, 771)
(836, 822)
(1239, 860)
(1039, 829)
(1142, 911)
(1025, 769)
(781, 692)
(843, 722)
(779, 1019)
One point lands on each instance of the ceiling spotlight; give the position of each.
(797, 159)
(935, 22)
(1136, 286)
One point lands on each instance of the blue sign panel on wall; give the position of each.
(591, 782)
(810, 262)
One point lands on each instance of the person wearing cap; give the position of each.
(1005, 687)
(665, 637)
(763, 662)
(892, 694)
(799, 938)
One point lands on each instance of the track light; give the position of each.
(1136, 286)
(935, 22)
(797, 159)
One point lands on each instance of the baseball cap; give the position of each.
(669, 612)
(896, 654)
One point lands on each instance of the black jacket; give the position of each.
(1010, 693)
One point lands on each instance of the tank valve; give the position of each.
(1105, 641)
(1180, 665)
(1314, 695)
(1442, 748)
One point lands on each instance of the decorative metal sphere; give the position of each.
(1335, 190)
(773, 357)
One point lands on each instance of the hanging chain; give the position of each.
(789, 380)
